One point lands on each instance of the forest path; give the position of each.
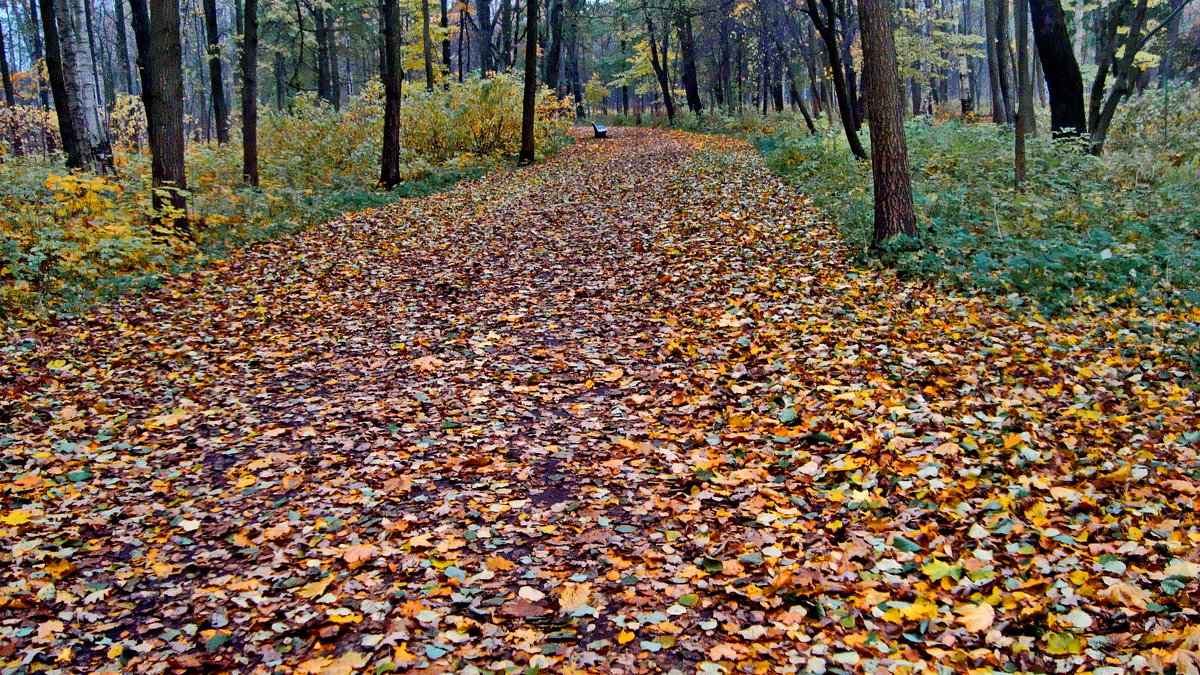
(628, 410)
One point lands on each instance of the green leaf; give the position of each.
(1063, 643)
(905, 544)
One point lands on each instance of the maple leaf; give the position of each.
(358, 554)
(977, 618)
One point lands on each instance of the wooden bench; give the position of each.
(600, 129)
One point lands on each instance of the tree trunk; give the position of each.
(574, 10)
(885, 114)
(1060, 67)
(529, 96)
(321, 26)
(79, 78)
(10, 96)
(554, 39)
(123, 46)
(216, 79)
(393, 77)
(507, 58)
(427, 45)
(1004, 62)
(335, 77)
(445, 24)
(999, 114)
(160, 59)
(687, 53)
(250, 95)
(660, 68)
(1123, 86)
(1025, 121)
(483, 19)
(825, 28)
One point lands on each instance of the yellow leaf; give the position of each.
(625, 637)
(976, 618)
(18, 517)
(314, 589)
(574, 596)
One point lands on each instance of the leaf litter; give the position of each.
(631, 410)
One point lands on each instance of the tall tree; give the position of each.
(392, 67)
(529, 95)
(321, 28)
(554, 44)
(10, 96)
(156, 29)
(58, 86)
(824, 18)
(1025, 122)
(1063, 79)
(444, 22)
(427, 44)
(483, 21)
(79, 79)
(123, 45)
(250, 94)
(687, 54)
(216, 79)
(894, 214)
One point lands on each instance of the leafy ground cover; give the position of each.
(635, 409)
(1118, 232)
(69, 240)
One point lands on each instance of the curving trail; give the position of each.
(631, 410)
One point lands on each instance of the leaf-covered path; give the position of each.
(631, 410)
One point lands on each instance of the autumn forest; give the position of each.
(599, 336)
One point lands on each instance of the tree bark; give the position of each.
(1004, 61)
(554, 40)
(1123, 86)
(10, 96)
(324, 81)
(483, 19)
(79, 78)
(1025, 122)
(123, 46)
(444, 22)
(1063, 79)
(393, 77)
(660, 68)
(250, 95)
(529, 95)
(216, 78)
(687, 53)
(894, 214)
(160, 60)
(427, 45)
(574, 11)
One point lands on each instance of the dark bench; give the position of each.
(601, 130)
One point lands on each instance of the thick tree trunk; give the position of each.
(529, 96)
(1060, 67)
(250, 95)
(160, 59)
(885, 113)
(1004, 61)
(825, 28)
(392, 69)
(67, 133)
(79, 77)
(483, 19)
(687, 53)
(216, 78)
